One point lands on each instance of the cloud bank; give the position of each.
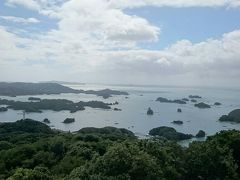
(96, 41)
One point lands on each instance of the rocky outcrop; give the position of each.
(149, 111)
(200, 134)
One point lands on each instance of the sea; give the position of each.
(134, 109)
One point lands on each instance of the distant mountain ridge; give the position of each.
(21, 88)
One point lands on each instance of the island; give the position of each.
(178, 122)
(193, 100)
(34, 99)
(202, 105)
(69, 120)
(105, 93)
(46, 120)
(217, 104)
(194, 97)
(169, 133)
(22, 88)
(185, 99)
(200, 134)
(3, 109)
(53, 104)
(233, 116)
(165, 100)
(149, 111)
(179, 110)
(117, 109)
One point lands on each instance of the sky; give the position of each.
(150, 42)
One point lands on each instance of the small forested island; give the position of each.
(165, 100)
(185, 99)
(193, 100)
(34, 99)
(200, 134)
(194, 97)
(69, 120)
(202, 105)
(105, 93)
(178, 122)
(31, 150)
(217, 104)
(233, 116)
(21, 88)
(53, 104)
(3, 109)
(46, 120)
(149, 111)
(117, 109)
(179, 110)
(169, 133)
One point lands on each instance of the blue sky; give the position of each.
(125, 41)
(195, 24)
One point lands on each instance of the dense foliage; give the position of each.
(111, 153)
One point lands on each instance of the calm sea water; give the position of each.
(133, 115)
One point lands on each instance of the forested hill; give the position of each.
(110, 153)
(21, 88)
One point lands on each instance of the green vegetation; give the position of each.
(30, 150)
(53, 104)
(165, 100)
(202, 105)
(233, 116)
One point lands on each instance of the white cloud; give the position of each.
(20, 19)
(175, 3)
(122, 4)
(95, 20)
(96, 41)
(31, 4)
